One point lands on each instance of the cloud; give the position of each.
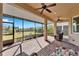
(6, 20)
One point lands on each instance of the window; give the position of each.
(62, 27)
(50, 29)
(75, 24)
(7, 19)
(18, 29)
(65, 30)
(39, 29)
(29, 29)
(59, 29)
(7, 30)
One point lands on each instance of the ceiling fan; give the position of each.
(45, 7)
(59, 19)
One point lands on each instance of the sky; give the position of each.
(18, 23)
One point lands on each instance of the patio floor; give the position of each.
(30, 46)
(43, 48)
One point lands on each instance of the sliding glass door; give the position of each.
(7, 31)
(63, 27)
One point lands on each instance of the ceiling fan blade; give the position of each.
(42, 11)
(48, 10)
(54, 4)
(42, 4)
(38, 8)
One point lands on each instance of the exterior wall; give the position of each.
(0, 28)
(73, 37)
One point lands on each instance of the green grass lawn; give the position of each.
(18, 35)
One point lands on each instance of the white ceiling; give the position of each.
(63, 10)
